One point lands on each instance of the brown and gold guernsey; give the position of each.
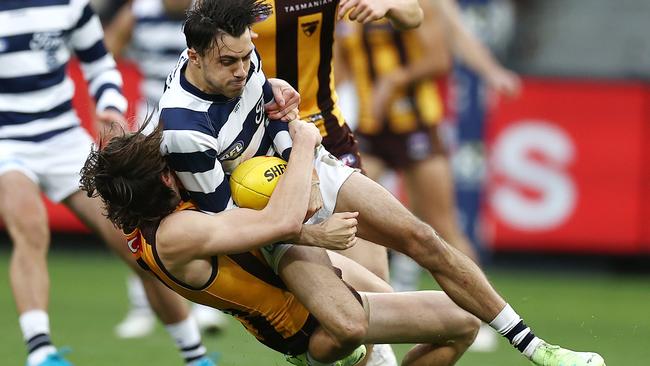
(375, 50)
(296, 44)
(241, 285)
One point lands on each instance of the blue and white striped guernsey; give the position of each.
(156, 42)
(36, 40)
(207, 136)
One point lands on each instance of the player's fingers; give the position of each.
(352, 242)
(366, 16)
(291, 107)
(345, 6)
(291, 115)
(356, 11)
(278, 96)
(348, 214)
(275, 115)
(351, 222)
(271, 107)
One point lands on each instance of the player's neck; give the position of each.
(194, 77)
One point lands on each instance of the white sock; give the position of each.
(382, 355)
(188, 339)
(35, 325)
(510, 325)
(137, 296)
(405, 273)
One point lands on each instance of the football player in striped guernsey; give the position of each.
(149, 32)
(213, 118)
(42, 148)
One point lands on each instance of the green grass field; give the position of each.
(594, 311)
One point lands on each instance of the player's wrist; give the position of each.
(306, 235)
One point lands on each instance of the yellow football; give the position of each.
(253, 181)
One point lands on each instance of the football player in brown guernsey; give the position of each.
(177, 243)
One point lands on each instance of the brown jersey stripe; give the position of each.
(269, 336)
(399, 42)
(286, 43)
(324, 96)
(370, 55)
(254, 266)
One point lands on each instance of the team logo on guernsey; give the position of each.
(348, 159)
(50, 42)
(309, 28)
(259, 111)
(134, 244)
(306, 5)
(234, 151)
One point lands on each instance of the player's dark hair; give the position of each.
(126, 174)
(207, 19)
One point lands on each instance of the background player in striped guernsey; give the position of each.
(149, 32)
(42, 148)
(212, 112)
(400, 109)
(228, 271)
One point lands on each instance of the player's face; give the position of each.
(226, 66)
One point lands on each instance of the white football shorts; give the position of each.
(332, 174)
(53, 164)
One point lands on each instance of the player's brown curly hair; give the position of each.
(126, 174)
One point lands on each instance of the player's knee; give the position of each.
(469, 328)
(351, 331)
(424, 245)
(353, 334)
(31, 237)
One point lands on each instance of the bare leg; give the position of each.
(361, 279)
(307, 271)
(168, 305)
(383, 220)
(428, 317)
(370, 255)
(357, 275)
(25, 217)
(435, 203)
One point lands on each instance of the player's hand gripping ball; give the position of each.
(253, 181)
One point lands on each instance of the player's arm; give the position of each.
(190, 235)
(284, 104)
(436, 60)
(99, 69)
(474, 53)
(118, 33)
(281, 100)
(403, 14)
(277, 129)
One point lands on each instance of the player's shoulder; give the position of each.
(181, 230)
